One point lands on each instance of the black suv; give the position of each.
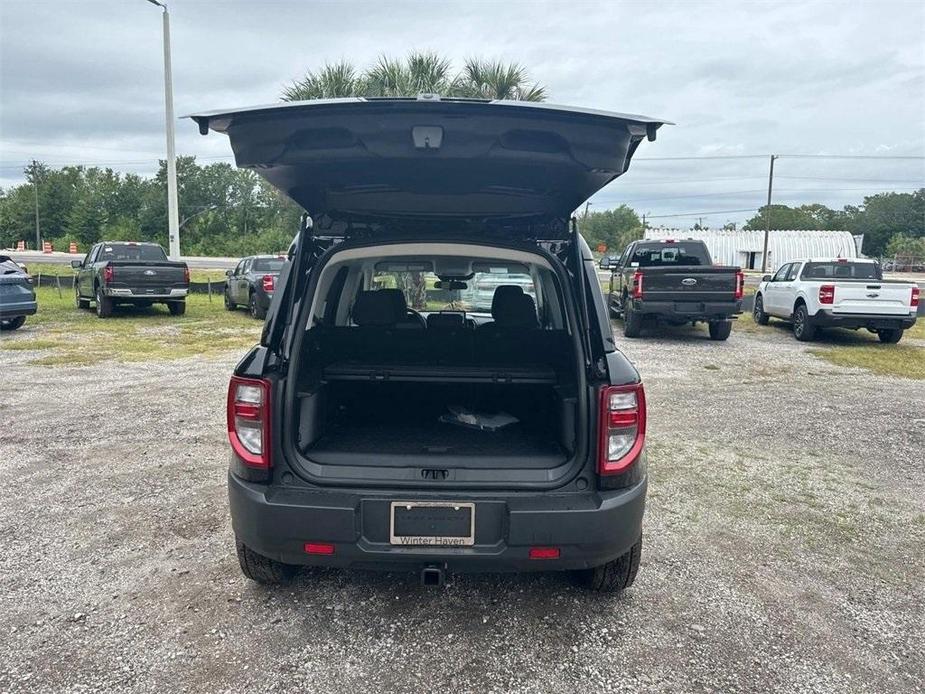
(390, 418)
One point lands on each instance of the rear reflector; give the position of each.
(544, 552)
(268, 283)
(827, 294)
(248, 413)
(740, 285)
(622, 427)
(319, 548)
(915, 297)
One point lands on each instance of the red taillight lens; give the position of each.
(915, 297)
(827, 294)
(249, 420)
(637, 285)
(319, 548)
(268, 283)
(622, 427)
(740, 285)
(186, 275)
(107, 274)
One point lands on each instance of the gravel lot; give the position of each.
(783, 546)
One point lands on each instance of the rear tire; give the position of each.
(177, 308)
(632, 321)
(617, 575)
(103, 304)
(262, 569)
(890, 336)
(255, 310)
(761, 318)
(803, 328)
(720, 329)
(12, 323)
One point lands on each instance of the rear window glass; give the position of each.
(844, 270)
(424, 292)
(268, 264)
(668, 254)
(126, 251)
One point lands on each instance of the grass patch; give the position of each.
(72, 336)
(906, 361)
(66, 273)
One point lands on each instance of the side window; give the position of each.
(792, 274)
(247, 265)
(627, 254)
(239, 269)
(94, 252)
(781, 273)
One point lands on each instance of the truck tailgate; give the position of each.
(148, 278)
(694, 283)
(882, 298)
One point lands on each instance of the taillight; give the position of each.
(107, 274)
(915, 297)
(637, 285)
(622, 427)
(186, 274)
(827, 294)
(249, 420)
(740, 285)
(268, 283)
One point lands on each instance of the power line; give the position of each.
(696, 214)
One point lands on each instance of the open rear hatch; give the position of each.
(347, 160)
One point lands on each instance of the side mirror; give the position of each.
(76, 264)
(766, 278)
(228, 273)
(604, 264)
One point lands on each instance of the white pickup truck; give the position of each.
(841, 293)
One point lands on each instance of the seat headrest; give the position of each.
(514, 310)
(503, 293)
(379, 307)
(446, 321)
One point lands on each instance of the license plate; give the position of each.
(432, 523)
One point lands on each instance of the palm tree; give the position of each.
(420, 72)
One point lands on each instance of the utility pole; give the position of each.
(587, 205)
(173, 214)
(35, 189)
(767, 229)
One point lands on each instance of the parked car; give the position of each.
(675, 281)
(128, 272)
(837, 292)
(609, 261)
(252, 283)
(367, 434)
(17, 296)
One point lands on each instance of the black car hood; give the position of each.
(380, 159)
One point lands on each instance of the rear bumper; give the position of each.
(12, 309)
(127, 294)
(861, 320)
(688, 310)
(590, 529)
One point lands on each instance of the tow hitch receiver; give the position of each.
(432, 576)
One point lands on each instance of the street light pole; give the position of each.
(767, 229)
(173, 214)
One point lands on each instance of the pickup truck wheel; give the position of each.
(891, 336)
(761, 318)
(103, 304)
(79, 302)
(632, 321)
(803, 328)
(177, 308)
(617, 575)
(12, 323)
(263, 569)
(255, 310)
(229, 304)
(720, 329)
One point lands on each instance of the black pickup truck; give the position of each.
(674, 281)
(126, 272)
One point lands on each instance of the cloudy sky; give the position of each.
(82, 82)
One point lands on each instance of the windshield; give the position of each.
(130, 251)
(268, 264)
(658, 255)
(425, 292)
(842, 270)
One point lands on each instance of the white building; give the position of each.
(744, 247)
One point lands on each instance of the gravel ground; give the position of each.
(783, 550)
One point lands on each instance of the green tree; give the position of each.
(614, 228)
(420, 72)
(907, 248)
(884, 215)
